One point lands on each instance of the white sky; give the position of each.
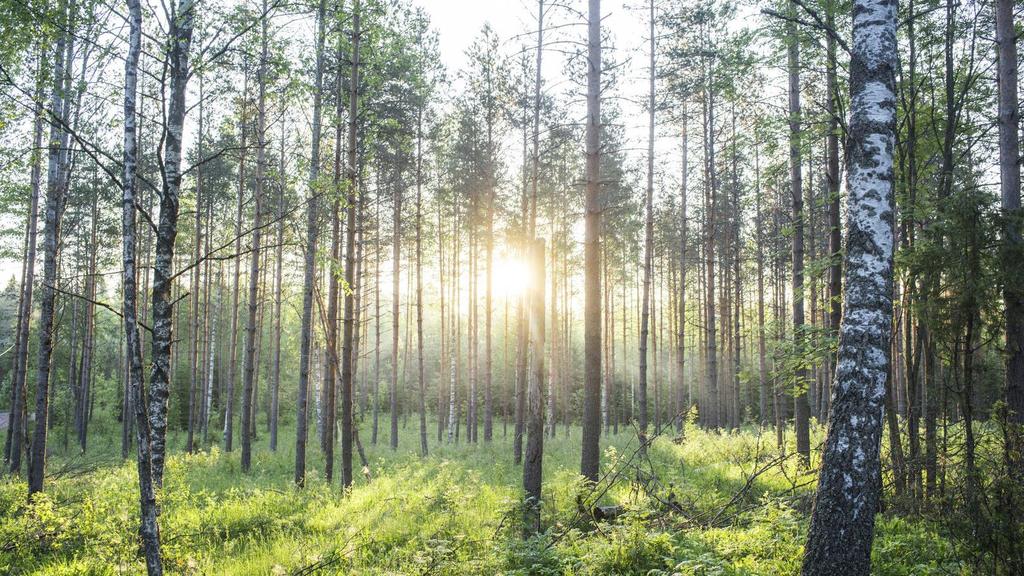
(459, 22)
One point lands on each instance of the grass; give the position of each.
(454, 512)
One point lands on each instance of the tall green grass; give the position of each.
(688, 507)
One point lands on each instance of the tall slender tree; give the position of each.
(1009, 178)
(534, 458)
(309, 265)
(801, 412)
(348, 350)
(591, 454)
(249, 363)
(843, 517)
(648, 261)
(149, 530)
(53, 209)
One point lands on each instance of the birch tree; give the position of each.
(148, 527)
(53, 208)
(842, 521)
(179, 34)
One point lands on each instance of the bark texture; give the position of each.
(843, 518)
(180, 41)
(534, 457)
(52, 210)
(309, 263)
(348, 350)
(1009, 173)
(149, 530)
(590, 460)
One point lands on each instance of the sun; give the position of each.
(511, 277)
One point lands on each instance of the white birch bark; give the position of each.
(842, 522)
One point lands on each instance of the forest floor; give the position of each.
(709, 504)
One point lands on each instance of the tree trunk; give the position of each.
(309, 268)
(590, 460)
(197, 234)
(801, 413)
(899, 465)
(396, 272)
(211, 354)
(842, 521)
(56, 186)
(167, 231)
(420, 377)
(737, 301)
(275, 390)
(229, 400)
(89, 336)
(645, 314)
(376, 317)
(682, 401)
(712, 415)
(1009, 177)
(348, 357)
(835, 269)
(148, 528)
(249, 365)
(762, 369)
(533, 462)
(16, 429)
(445, 352)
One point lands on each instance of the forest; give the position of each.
(545, 287)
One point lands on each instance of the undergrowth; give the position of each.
(704, 504)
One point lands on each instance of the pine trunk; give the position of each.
(533, 461)
(348, 350)
(309, 265)
(1009, 172)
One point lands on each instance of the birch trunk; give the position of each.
(148, 528)
(180, 33)
(53, 209)
(842, 521)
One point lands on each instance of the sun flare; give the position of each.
(511, 277)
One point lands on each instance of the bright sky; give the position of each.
(458, 23)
